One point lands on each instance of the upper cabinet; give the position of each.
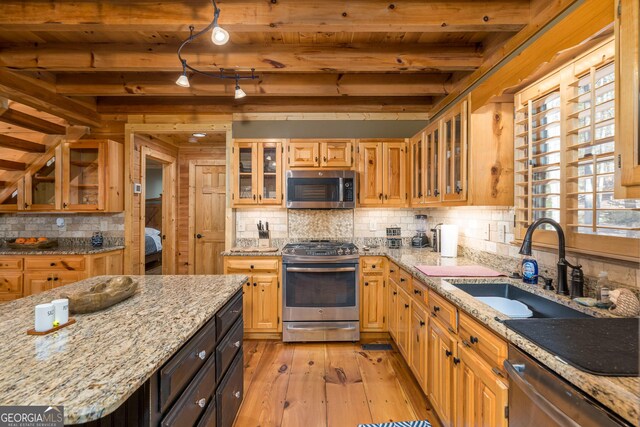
(416, 162)
(382, 169)
(257, 172)
(454, 153)
(331, 153)
(627, 174)
(81, 176)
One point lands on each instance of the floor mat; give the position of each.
(377, 347)
(399, 424)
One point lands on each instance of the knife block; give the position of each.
(264, 239)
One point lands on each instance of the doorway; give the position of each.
(157, 213)
(208, 216)
(153, 226)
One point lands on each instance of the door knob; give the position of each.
(199, 236)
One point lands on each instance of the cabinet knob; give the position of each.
(456, 360)
(53, 264)
(373, 266)
(436, 308)
(49, 279)
(402, 279)
(366, 283)
(199, 236)
(395, 293)
(237, 395)
(255, 284)
(447, 353)
(236, 344)
(251, 266)
(380, 196)
(316, 159)
(202, 403)
(422, 323)
(248, 283)
(386, 197)
(260, 197)
(324, 159)
(392, 271)
(202, 354)
(55, 279)
(436, 192)
(65, 205)
(474, 340)
(458, 189)
(406, 306)
(254, 197)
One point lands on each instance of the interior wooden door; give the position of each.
(265, 302)
(209, 214)
(370, 167)
(395, 174)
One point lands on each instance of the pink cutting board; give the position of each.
(458, 271)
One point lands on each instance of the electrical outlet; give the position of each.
(373, 226)
(60, 222)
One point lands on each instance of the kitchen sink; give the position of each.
(541, 307)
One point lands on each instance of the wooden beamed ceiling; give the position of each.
(92, 57)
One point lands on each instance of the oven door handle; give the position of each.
(321, 328)
(534, 395)
(320, 270)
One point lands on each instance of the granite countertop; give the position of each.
(60, 250)
(93, 366)
(619, 394)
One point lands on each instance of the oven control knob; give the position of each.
(341, 251)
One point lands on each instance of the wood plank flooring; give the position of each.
(327, 385)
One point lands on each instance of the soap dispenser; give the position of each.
(577, 281)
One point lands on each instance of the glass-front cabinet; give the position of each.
(454, 153)
(42, 187)
(83, 176)
(416, 162)
(257, 167)
(11, 197)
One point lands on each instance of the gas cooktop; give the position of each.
(320, 250)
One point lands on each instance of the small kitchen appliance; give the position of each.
(420, 240)
(436, 239)
(394, 241)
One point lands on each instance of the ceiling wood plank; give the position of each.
(269, 84)
(18, 118)
(21, 144)
(292, 58)
(12, 166)
(264, 16)
(42, 96)
(206, 105)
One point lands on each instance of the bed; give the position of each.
(152, 246)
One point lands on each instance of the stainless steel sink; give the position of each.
(541, 307)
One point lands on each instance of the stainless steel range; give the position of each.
(320, 292)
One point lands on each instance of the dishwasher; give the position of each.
(539, 397)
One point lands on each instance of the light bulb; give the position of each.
(199, 134)
(239, 92)
(219, 36)
(183, 81)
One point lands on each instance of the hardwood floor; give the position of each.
(327, 385)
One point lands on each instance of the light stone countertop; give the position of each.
(619, 394)
(94, 365)
(60, 250)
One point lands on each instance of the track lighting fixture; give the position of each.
(219, 36)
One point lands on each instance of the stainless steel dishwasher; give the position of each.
(539, 397)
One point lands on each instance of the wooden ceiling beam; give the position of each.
(291, 58)
(269, 84)
(12, 166)
(21, 144)
(41, 96)
(267, 16)
(23, 120)
(210, 105)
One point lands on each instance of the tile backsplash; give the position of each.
(76, 226)
(487, 230)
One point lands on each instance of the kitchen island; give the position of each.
(152, 347)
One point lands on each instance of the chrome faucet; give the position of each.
(525, 249)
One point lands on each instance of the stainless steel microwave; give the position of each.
(324, 189)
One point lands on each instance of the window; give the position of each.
(565, 162)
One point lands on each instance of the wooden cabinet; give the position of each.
(334, 154)
(262, 299)
(81, 176)
(404, 323)
(373, 296)
(454, 153)
(440, 374)
(627, 130)
(40, 281)
(383, 173)
(257, 173)
(10, 284)
(393, 309)
(417, 168)
(418, 345)
(107, 263)
(481, 395)
(372, 312)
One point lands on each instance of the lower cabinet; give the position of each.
(40, 281)
(372, 296)
(393, 309)
(418, 343)
(404, 323)
(481, 395)
(262, 298)
(441, 358)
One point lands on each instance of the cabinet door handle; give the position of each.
(324, 159)
(255, 284)
(202, 403)
(447, 353)
(422, 323)
(251, 267)
(474, 340)
(436, 308)
(436, 192)
(254, 197)
(395, 293)
(248, 283)
(202, 354)
(55, 279)
(260, 197)
(237, 395)
(392, 271)
(402, 279)
(49, 279)
(198, 236)
(380, 196)
(236, 344)
(406, 306)
(65, 205)
(456, 360)
(366, 283)
(316, 159)
(417, 292)
(386, 197)
(53, 264)
(458, 189)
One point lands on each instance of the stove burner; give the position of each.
(320, 249)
